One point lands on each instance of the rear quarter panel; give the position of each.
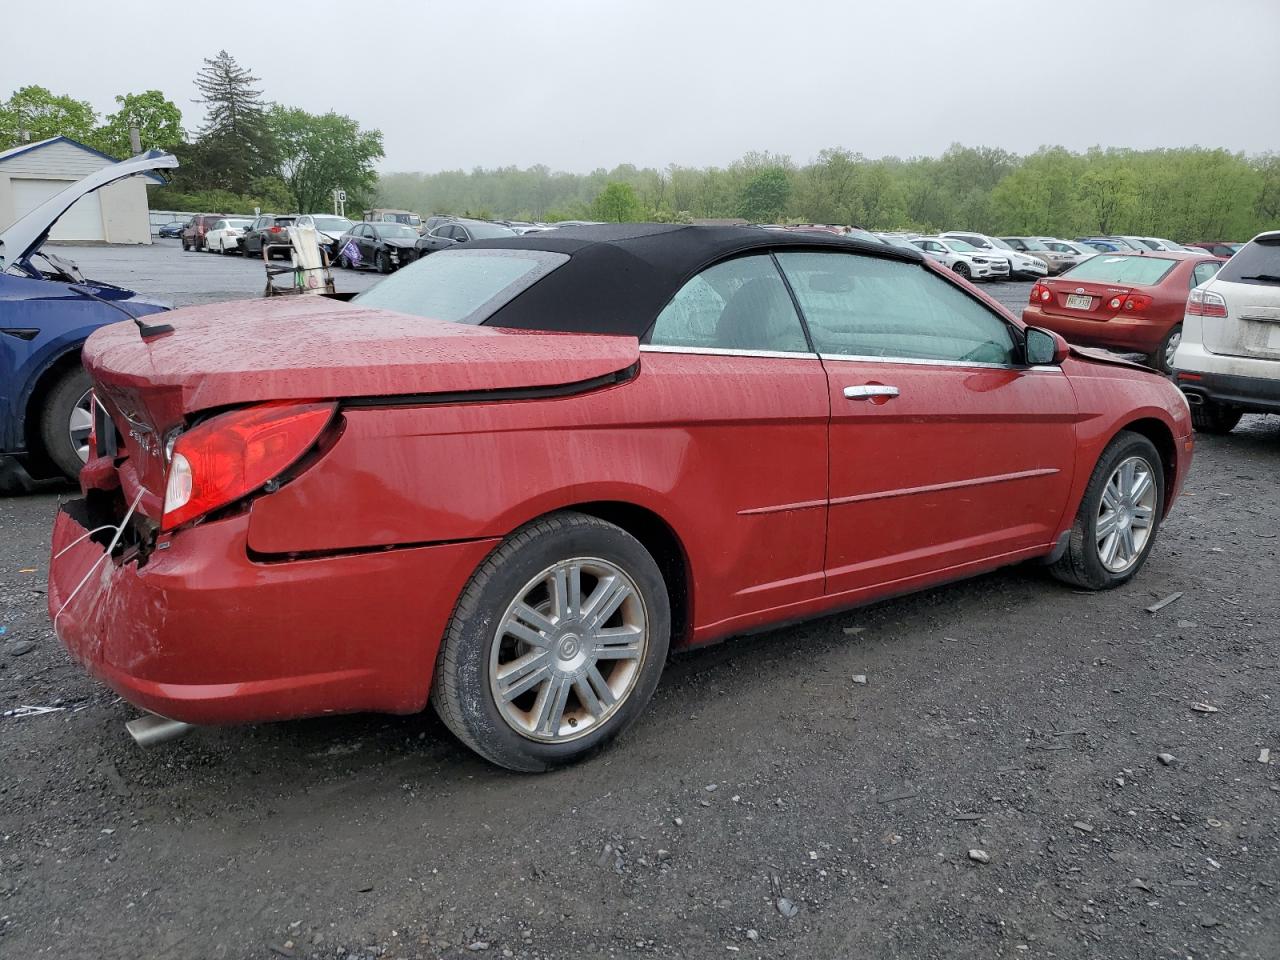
(696, 440)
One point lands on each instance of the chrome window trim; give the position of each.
(920, 361)
(723, 352)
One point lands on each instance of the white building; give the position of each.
(34, 172)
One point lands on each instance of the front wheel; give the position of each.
(962, 268)
(66, 421)
(555, 645)
(1210, 417)
(382, 263)
(1119, 515)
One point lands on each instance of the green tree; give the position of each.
(235, 144)
(35, 113)
(159, 123)
(764, 197)
(616, 203)
(319, 153)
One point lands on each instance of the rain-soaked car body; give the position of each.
(511, 476)
(47, 311)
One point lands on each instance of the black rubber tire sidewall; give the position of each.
(1213, 418)
(1082, 565)
(55, 417)
(962, 269)
(460, 688)
(382, 264)
(1157, 359)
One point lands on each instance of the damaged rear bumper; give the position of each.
(199, 631)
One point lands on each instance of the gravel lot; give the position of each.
(766, 806)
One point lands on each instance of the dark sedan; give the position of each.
(383, 246)
(462, 231)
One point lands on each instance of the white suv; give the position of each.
(1021, 265)
(963, 258)
(1228, 363)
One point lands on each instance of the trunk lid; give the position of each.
(313, 348)
(1069, 295)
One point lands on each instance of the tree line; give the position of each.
(248, 152)
(1189, 193)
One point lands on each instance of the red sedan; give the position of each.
(511, 476)
(1128, 302)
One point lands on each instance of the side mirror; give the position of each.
(1044, 348)
(459, 239)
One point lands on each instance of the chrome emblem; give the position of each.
(1079, 289)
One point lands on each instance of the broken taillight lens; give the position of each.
(234, 454)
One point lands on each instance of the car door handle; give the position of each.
(869, 391)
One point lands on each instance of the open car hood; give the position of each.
(24, 236)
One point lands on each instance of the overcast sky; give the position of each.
(578, 85)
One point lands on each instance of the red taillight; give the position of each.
(275, 229)
(1040, 293)
(1203, 303)
(223, 459)
(1137, 301)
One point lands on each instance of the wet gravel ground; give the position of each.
(767, 805)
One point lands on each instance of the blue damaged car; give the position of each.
(47, 311)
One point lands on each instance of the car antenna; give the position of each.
(145, 330)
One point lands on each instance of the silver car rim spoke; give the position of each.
(81, 425)
(1126, 515)
(568, 650)
(1172, 349)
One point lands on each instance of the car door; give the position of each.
(946, 452)
(728, 361)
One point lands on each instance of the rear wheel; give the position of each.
(1119, 515)
(1162, 359)
(185, 245)
(344, 262)
(1210, 417)
(66, 421)
(556, 644)
(962, 268)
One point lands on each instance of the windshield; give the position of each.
(332, 224)
(1122, 268)
(1256, 262)
(489, 231)
(1033, 244)
(395, 231)
(959, 246)
(239, 223)
(996, 241)
(465, 286)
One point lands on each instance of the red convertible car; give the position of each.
(511, 476)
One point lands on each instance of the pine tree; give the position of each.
(235, 143)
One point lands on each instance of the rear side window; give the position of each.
(1258, 261)
(1121, 268)
(736, 305)
(465, 286)
(862, 306)
(1204, 271)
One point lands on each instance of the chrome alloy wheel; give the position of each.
(1126, 516)
(80, 425)
(568, 650)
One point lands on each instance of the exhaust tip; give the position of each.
(153, 729)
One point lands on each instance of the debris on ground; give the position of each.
(787, 908)
(1083, 827)
(1139, 884)
(979, 856)
(853, 631)
(1166, 758)
(25, 710)
(18, 648)
(1264, 756)
(1161, 604)
(860, 678)
(1204, 708)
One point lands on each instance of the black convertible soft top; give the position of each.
(619, 276)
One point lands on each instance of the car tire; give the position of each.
(1084, 564)
(185, 247)
(1214, 418)
(344, 262)
(382, 263)
(516, 733)
(1162, 359)
(963, 270)
(65, 401)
